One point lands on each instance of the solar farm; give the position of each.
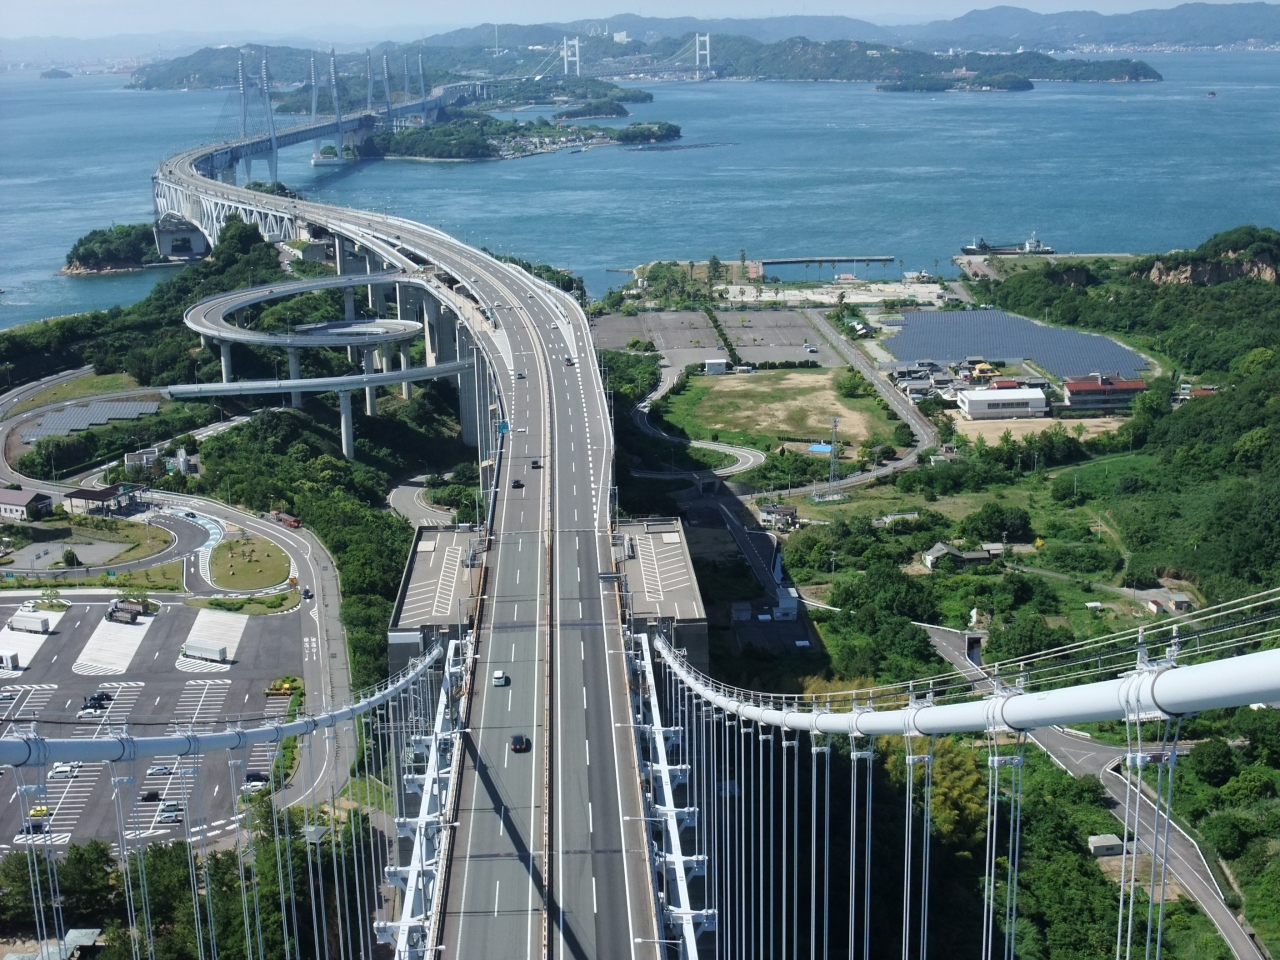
(948, 336)
(63, 422)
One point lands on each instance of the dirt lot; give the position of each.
(993, 429)
(777, 403)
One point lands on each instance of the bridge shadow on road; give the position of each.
(573, 947)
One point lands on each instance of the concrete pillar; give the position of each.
(370, 393)
(348, 426)
(447, 332)
(430, 327)
(226, 361)
(349, 303)
(295, 373)
(468, 401)
(339, 254)
(406, 388)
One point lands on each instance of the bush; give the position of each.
(1213, 761)
(994, 523)
(1227, 833)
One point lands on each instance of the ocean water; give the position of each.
(801, 169)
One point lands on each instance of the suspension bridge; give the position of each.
(546, 773)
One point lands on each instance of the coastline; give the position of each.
(107, 271)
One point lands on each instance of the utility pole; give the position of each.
(833, 472)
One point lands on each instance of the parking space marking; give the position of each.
(111, 648)
(22, 703)
(219, 628)
(200, 705)
(25, 644)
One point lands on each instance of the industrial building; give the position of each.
(1096, 392)
(1002, 404)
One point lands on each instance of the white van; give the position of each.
(499, 678)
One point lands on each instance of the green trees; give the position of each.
(124, 246)
(994, 523)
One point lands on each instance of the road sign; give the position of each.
(503, 427)
(111, 573)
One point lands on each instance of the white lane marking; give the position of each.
(584, 698)
(591, 820)
(586, 744)
(515, 612)
(502, 821)
(497, 885)
(509, 692)
(593, 896)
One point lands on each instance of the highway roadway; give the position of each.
(570, 806)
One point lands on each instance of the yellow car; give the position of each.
(40, 811)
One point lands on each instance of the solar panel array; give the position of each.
(95, 414)
(948, 336)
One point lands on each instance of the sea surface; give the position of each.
(817, 170)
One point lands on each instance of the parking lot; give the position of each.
(92, 678)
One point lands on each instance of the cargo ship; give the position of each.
(980, 247)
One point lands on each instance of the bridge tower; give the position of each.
(333, 90)
(244, 115)
(701, 48)
(406, 83)
(271, 119)
(569, 52)
(315, 106)
(422, 87)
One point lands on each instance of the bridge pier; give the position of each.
(430, 328)
(295, 373)
(370, 393)
(226, 361)
(349, 303)
(468, 394)
(406, 388)
(348, 426)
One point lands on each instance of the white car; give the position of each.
(64, 771)
(169, 817)
(159, 770)
(499, 678)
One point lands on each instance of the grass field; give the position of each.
(253, 606)
(248, 563)
(145, 540)
(770, 405)
(90, 385)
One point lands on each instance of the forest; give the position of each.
(126, 246)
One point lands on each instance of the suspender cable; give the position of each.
(826, 850)
(782, 858)
(795, 847)
(906, 851)
(1171, 764)
(989, 873)
(927, 840)
(315, 881)
(33, 856)
(272, 786)
(232, 764)
(866, 856)
(813, 848)
(126, 873)
(203, 860)
(1015, 849)
(186, 773)
(140, 863)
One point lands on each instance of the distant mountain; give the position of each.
(1190, 24)
(996, 28)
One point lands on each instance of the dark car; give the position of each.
(306, 593)
(520, 375)
(256, 776)
(189, 515)
(568, 361)
(151, 796)
(36, 826)
(535, 465)
(517, 484)
(520, 743)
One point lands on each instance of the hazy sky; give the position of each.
(358, 18)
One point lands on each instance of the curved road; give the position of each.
(549, 623)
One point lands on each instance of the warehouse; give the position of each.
(1002, 404)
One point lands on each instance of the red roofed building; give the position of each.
(1096, 392)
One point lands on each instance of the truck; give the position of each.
(29, 622)
(204, 650)
(8, 660)
(119, 612)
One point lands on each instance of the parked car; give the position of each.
(64, 771)
(150, 796)
(257, 776)
(159, 770)
(170, 816)
(40, 811)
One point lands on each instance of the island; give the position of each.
(125, 246)
(55, 74)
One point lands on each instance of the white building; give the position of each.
(1002, 404)
(717, 365)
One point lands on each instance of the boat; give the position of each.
(980, 247)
